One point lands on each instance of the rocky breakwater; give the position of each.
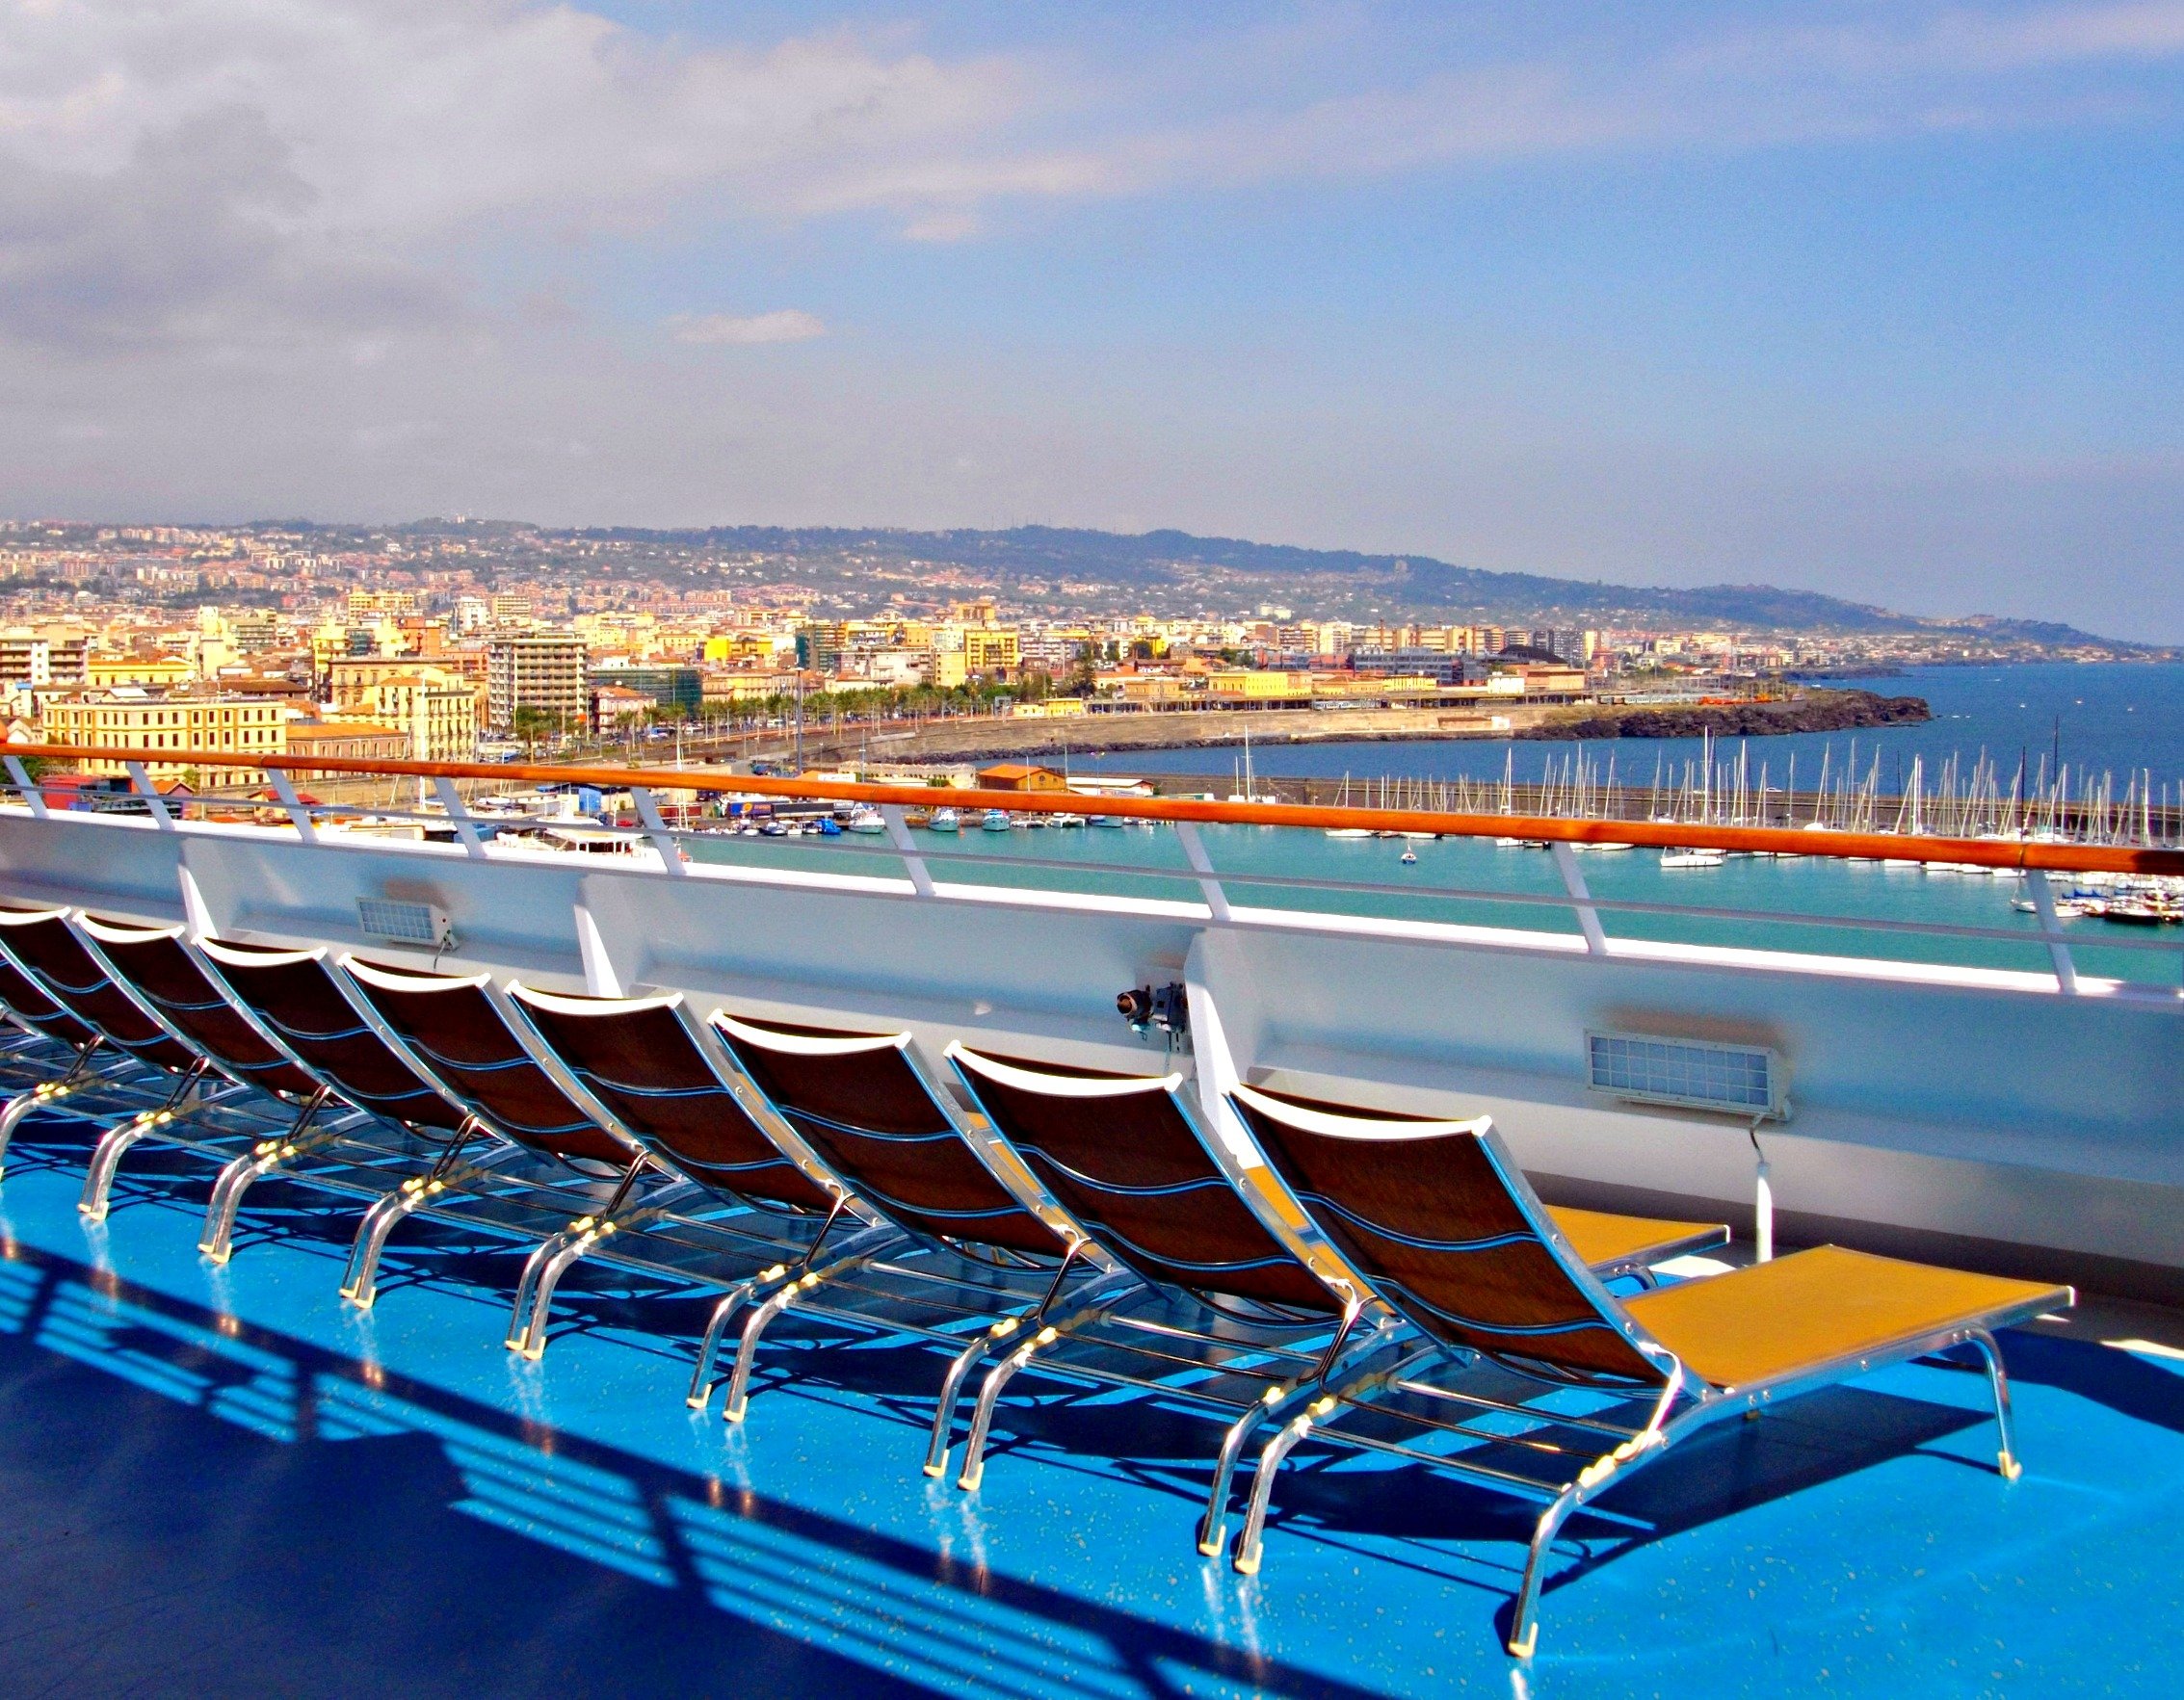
(1811, 711)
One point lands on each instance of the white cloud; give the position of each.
(788, 325)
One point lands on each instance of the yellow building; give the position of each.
(990, 649)
(1247, 685)
(131, 718)
(155, 672)
(1054, 708)
(438, 713)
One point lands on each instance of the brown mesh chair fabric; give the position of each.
(294, 995)
(451, 1025)
(858, 1102)
(154, 964)
(1119, 1153)
(40, 943)
(25, 1000)
(1448, 1231)
(638, 1058)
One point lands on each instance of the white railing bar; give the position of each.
(1306, 883)
(2057, 949)
(899, 835)
(451, 799)
(284, 788)
(1573, 882)
(656, 829)
(1201, 864)
(31, 794)
(157, 803)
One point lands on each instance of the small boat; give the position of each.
(864, 818)
(1418, 835)
(1350, 833)
(774, 829)
(1040, 822)
(1115, 821)
(1692, 858)
(945, 821)
(1520, 844)
(828, 827)
(1069, 819)
(1409, 857)
(995, 820)
(1604, 847)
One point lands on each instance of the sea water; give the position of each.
(2118, 717)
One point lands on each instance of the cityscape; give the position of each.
(460, 641)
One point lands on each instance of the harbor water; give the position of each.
(2116, 718)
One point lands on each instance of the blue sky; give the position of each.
(1881, 300)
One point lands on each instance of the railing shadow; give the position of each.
(250, 1513)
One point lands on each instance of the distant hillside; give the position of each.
(1407, 583)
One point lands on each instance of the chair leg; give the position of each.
(951, 1392)
(527, 1284)
(360, 1284)
(701, 1393)
(1213, 1526)
(989, 1395)
(1998, 1380)
(747, 1348)
(1250, 1542)
(1524, 1613)
(106, 1158)
(39, 1097)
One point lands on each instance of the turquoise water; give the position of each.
(2112, 717)
(2101, 717)
(1082, 859)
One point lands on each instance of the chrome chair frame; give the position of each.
(1583, 1468)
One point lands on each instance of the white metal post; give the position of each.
(451, 799)
(2057, 952)
(32, 795)
(1573, 882)
(284, 789)
(899, 835)
(656, 829)
(1201, 864)
(157, 803)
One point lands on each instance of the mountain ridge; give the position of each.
(1405, 586)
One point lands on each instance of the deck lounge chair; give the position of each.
(53, 972)
(868, 1112)
(294, 996)
(454, 1028)
(1125, 1156)
(645, 1062)
(171, 984)
(1441, 1221)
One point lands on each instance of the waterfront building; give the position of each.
(436, 711)
(130, 717)
(343, 739)
(542, 671)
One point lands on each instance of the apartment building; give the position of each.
(436, 711)
(542, 671)
(129, 716)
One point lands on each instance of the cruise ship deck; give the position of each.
(225, 1478)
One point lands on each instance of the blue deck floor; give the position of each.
(226, 1481)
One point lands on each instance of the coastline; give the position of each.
(1110, 734)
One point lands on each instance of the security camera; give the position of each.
(1164, 1008)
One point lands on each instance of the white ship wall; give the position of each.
(1975, 1114)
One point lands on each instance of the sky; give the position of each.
(1880, 300)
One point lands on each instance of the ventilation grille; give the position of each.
(405, 922)
(1691, 1073)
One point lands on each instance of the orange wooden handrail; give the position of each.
(1985, 853)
